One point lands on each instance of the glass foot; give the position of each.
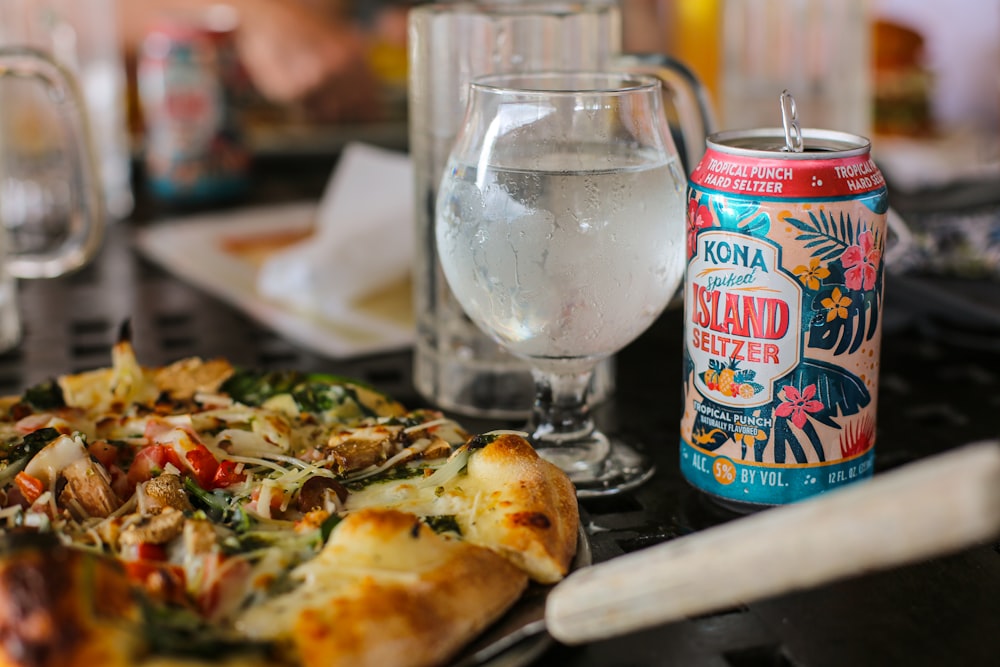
(620, 468)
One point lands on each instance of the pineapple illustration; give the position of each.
(727, 378)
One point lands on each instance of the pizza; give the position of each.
(198, 513)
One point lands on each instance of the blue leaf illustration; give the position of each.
(738, 215)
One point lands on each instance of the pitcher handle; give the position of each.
(896, 256)
(86, 219)
(688, 96)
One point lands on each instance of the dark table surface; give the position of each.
(939, 388)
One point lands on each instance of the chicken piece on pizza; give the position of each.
(355, 449)
(184, 379)
(88, 491)
(421, 434)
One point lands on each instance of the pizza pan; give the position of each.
(925, 509)
(519, 637)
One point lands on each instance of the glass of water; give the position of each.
(560, 229)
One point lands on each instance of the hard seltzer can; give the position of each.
(188, 78)
(783, 316)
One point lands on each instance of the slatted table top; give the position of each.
(940, 387)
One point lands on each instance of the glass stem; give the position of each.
(560, 414)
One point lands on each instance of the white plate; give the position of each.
(221, 252)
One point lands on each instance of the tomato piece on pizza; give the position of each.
(30, 486)
(194, 457)
(227, 474)
(151, 461)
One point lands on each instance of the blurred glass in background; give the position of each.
(902, 67)
(35, 197)
(748, 51)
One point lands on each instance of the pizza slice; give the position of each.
(386, 590)
(494, 491)
(204, 514)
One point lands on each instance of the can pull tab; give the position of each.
(790, 122)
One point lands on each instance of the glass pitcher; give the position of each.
(79, 235)
(456, 366)
(83, 37)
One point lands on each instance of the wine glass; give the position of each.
(559, 226)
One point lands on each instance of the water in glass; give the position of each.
(560, 231)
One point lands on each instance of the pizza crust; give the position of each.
(507, 499)
(64, 607)
(387, 590)
(528, 509)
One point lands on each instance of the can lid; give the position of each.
(769, 142)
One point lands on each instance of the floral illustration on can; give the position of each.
(783, 298)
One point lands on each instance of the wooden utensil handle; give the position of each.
(924, 509)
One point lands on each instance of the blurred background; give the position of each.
(924, 65)
(304, 77)
(897, 67)
(316, 71)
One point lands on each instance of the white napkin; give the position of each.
(364, 237)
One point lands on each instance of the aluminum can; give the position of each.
(782, 312)
(188, 75)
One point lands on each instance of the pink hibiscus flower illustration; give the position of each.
(699, 217)
(796, 405)
(861, 262)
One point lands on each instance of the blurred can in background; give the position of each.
(783, 316)
(188, 74)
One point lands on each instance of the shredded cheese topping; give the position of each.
(242, 471)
